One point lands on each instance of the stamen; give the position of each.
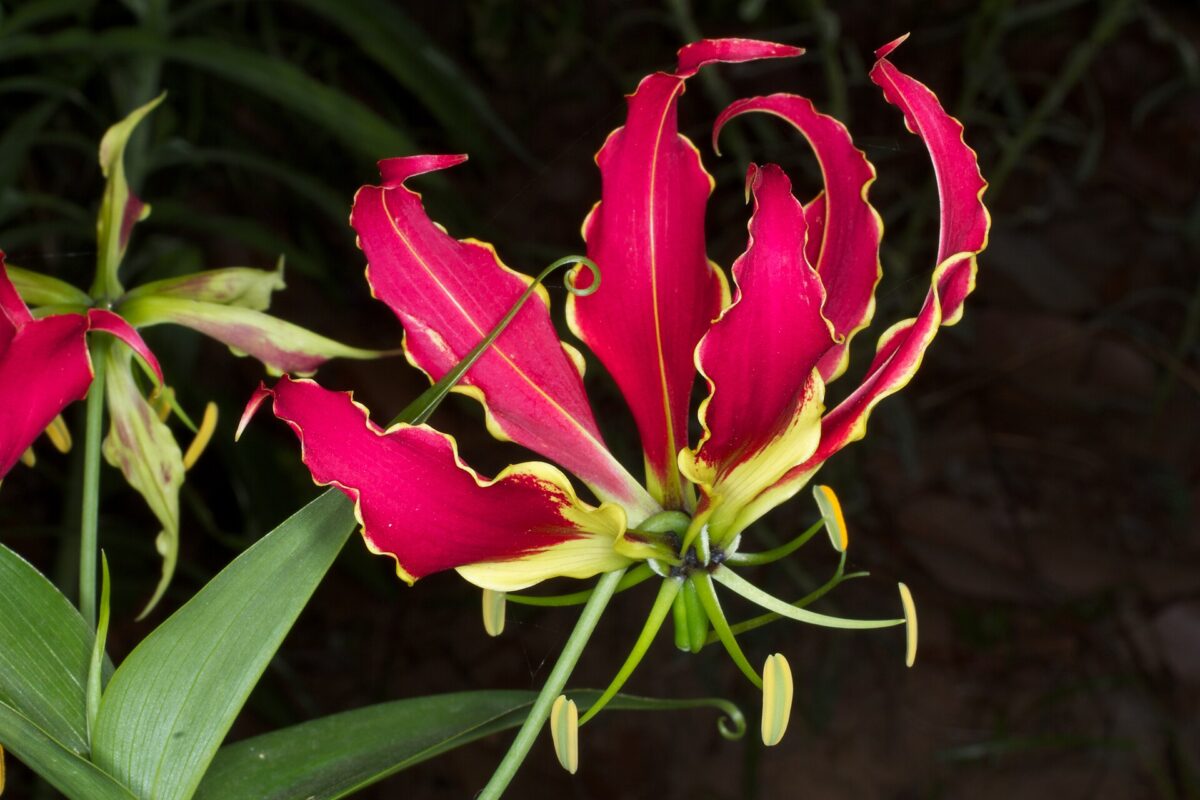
(910, 626)
(740, 585)
(712, 607)
(831, 512)
(207, 425)
(777, 699)
(59, 434)
(564, 730)
(493, 612)
(28, 458)
(654, 622)
(697, 619)
(775, 553)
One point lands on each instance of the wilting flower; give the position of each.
(45, 363)
(802, 289)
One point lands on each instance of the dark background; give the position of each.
(1035, 485)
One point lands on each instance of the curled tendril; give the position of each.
(420, 409)
(569, 278)
(731, 724)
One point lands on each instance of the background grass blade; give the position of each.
(172, 701)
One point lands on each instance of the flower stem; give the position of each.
(605, 588)
(90, 516)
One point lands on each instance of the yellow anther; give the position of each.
(160, 401)
(777, 699)
(910, 626)
(831, 512)
(59, 434)
(564, 730)
(28, 458)
(203, 435)
(493, 612)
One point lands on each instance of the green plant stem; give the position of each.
(90, 516)
(540, 712)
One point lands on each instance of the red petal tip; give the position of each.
(395, 171)
(887, 49)
(256, 400)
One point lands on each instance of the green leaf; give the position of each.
(337, 755)
(66, 770)
(45, 650)
(169, 705)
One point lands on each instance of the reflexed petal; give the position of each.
(964, 232)
(120, 209)
(279, 345)
(659, 292)
(762, 415)
(232, 286)
(844, 229)
(145, 451)
(420, 504)
(448, 294)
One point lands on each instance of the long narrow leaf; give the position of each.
(337, 755)
(45, 650)
(66, 770)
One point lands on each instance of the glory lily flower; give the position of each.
(663, 312)
(45, 363)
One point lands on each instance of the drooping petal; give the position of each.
(120, 208)
(844, 229)
(245, 287)
(44, 366)
(36, 289)
(659, 292)
(448, 294)
(964, 232)
(420, 504)
(762, 414)
(145, 451)
(281, 346)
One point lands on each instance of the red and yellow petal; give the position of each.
(45, 366)
(419, 503)
(964, 233)
(659, 291)
(762, 414)
(844, 230)
(448, 294)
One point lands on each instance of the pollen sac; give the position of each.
(564, 730)
(493, 612)
(777, 699)
(910, 625)
(831, 512)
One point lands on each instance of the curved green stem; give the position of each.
(90, 517)
(654, 622)
(632, 578)
(590, 616)
(775, 553)
(712, 607)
